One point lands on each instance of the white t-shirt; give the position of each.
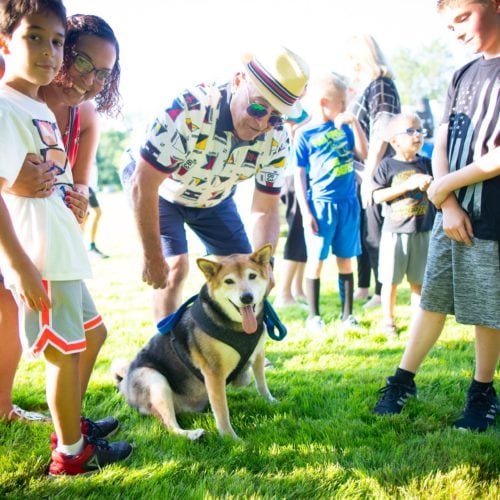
(47, 229)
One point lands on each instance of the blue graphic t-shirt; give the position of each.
(326, 153)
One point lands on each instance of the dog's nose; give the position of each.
(246, 298)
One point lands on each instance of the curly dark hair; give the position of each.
(108, 100)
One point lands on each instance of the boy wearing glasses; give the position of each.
(462, 276)
(325, 186)
(199, 147)
(400, 183)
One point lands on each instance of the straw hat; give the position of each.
(280, 76)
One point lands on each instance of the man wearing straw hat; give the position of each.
(196, 151)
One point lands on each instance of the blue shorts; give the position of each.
(219, 228)
(338, 229)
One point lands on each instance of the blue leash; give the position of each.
(166, 325)
(271, 320)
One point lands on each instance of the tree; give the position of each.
(425, 71)
(111, 147)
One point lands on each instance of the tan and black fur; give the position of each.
(162, 382)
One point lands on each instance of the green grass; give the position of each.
(319, 441)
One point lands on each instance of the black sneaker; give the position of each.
(480, 410)
(100, 429)
(394, 396)
(96, 454)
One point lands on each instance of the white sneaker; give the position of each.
(315, 324)
(361, 294)
(351, 321)
(373, 302)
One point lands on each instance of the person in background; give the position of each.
(424, 112)
(400, 183)
(36, 31)
(325, 184)
(196, 151)
(462, 276)
(93, 216)
(290, 289)
(378, 100)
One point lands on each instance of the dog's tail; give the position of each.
(119, 369)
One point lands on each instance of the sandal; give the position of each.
(26, 416)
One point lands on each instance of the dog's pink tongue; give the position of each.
(248, 318)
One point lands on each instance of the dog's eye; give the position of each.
(229, 281)
(252, 276)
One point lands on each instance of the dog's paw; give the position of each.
(195, 434)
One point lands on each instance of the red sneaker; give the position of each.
(96, 454)
(100, 429)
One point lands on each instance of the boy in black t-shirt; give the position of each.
(463, 267)
(400, 183)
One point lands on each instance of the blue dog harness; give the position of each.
(244, 344)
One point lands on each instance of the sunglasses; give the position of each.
(84, 66)
(257, 110)
(414, 131)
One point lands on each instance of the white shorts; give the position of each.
(64, 325)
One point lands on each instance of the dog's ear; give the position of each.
(208, 267)
(263, 255)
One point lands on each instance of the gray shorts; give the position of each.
(402, 254)
(462, 280)
(72, 314)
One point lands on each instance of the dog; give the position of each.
(215, 342)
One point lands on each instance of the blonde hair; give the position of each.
(369, 57)
(328, 85)
(445, 4)
(394, 124)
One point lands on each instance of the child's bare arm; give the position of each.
(360, 140)
(416, 181)
(28, 280)
(300, 182)
(456, 222)
(486, 167)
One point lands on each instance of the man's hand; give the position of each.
(155, 272)
(456, 224)
(35, 179)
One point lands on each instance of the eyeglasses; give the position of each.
(84, 66)
(257, 110)
(414, 131)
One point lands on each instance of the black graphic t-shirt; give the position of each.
(411, 212)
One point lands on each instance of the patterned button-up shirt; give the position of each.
(193, 141)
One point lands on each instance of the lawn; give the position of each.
(320, 440)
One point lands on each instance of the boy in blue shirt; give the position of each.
(325, 187)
